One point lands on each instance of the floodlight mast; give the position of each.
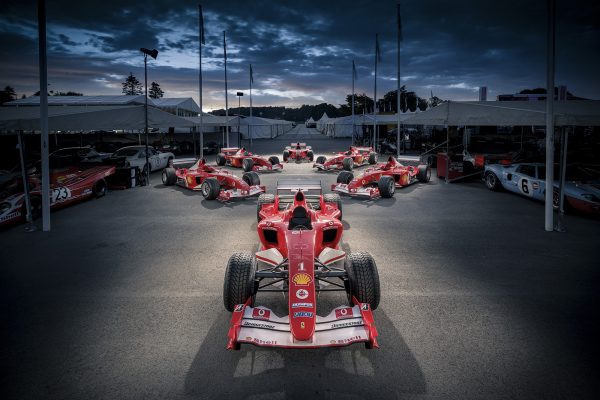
(152, 53)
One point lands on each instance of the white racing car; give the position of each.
(135, 156)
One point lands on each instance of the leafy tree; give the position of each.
(434, 101)
(132, 86)
(362, 102)
(422, 104)
(155, 91)
(8, 94)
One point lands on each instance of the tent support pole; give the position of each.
(193, 129)
(28, 216)
(447, 153)
(549, 211)
(45, 172)
(564, 139)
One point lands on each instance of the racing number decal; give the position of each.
(60, 194)
(525, 187)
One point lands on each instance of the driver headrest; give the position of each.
(300, 212)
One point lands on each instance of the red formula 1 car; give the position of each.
(354, 157)
(213, 183)
(242, 158)
(383, 179)
(298, 152)
(67, 186)
(299, 255)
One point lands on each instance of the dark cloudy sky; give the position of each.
(301, 51)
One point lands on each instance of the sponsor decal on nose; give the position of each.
(301, 279)
(261, 313)
(302, 294)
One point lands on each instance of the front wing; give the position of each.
(343, 326)
(267, 167)
(367, 192)
(228, 194)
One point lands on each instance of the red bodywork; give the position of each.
(298, 152)
(231, 185)
(234, 157)
(365, 185)
(359, 155)
(67, 186)
(300, 254)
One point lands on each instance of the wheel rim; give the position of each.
(392, 187)
(491, 181)
(428, 174)
(204, 189)
(164, 176)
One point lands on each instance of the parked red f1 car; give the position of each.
(383, 179)
(298, 152)
(354, 157)
(213, 183)
(67, 186)
(300, 255)
(242, 158)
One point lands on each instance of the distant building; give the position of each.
(560, 93)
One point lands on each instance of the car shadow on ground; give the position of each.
(380, 202)
(216, 204)
(350, 372)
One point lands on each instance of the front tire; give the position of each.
(363, 279)
(321, 160)
(286, 155)
(210, 188)
(238, 286)
(274, 160)
(424, 174)
(336, 199)
(221, 159)
(99, 189)
(247, 164)
(348, 163)
(310, 156)
(251, 178)
(263, 198)
(492, 182)
(372, 158)
(387, 186)
(169, 176)
(345, 177)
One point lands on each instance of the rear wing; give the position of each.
(297, 144)
(410, 160)
(230, 150)
(363, 149)
(305, 185)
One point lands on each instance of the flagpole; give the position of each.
(226, 100)
(398, 89)
(353, 79)
(375, 95)
(250, 124)
(201, 42)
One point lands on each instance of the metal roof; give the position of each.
(185, 103)
(81, 101)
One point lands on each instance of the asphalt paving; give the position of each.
(123, 299)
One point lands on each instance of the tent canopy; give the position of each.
(77, 118)
(503, 113)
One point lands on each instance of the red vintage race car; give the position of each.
(298, 152)
(383, 179)
(300, 255)
(67, 186)
(354, 157)
(242, 158)
(213, 183)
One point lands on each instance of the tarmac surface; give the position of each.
(123, 299)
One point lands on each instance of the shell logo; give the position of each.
(302, 279)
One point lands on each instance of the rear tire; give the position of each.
(251, 178)
(263, 198)
(221, 159)
(321, 160)
(99, 189)
(491, 181)
(210, 188)
(345, 177)
(387, 186)
(286, 155)
(363, 279)
(310, 156)
(372, 158)
(247, 164)
(169, 176)
(348, 163)
(336, 199)
(238, 286)
(424, 174)
(274, 160)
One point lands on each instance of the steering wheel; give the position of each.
(300, 228)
